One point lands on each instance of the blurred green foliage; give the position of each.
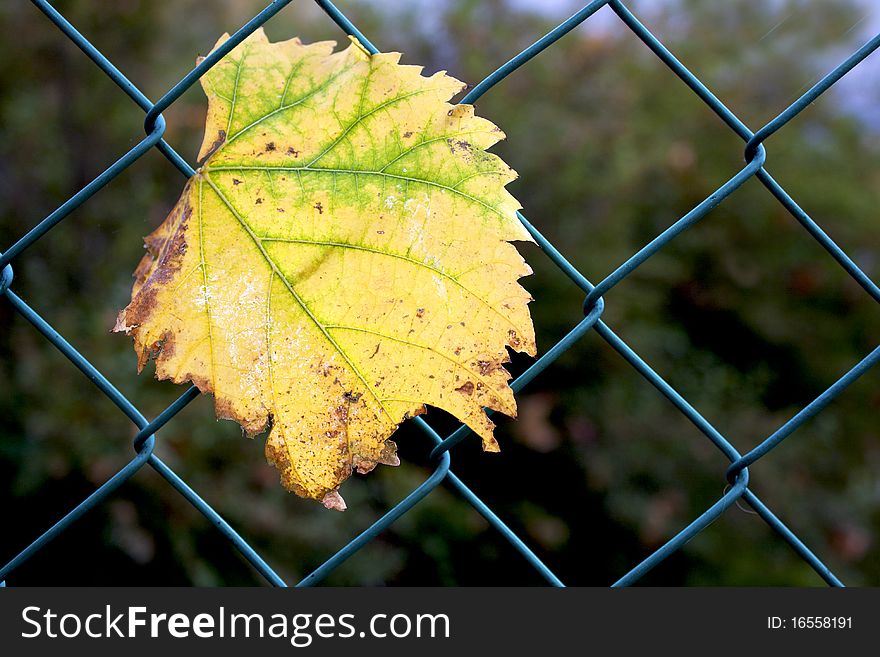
(744, 313)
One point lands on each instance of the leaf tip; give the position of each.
(333, 500)
(121, 326)
(491, 445)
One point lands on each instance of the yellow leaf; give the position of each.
(341, 258)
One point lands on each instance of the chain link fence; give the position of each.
(737, 475)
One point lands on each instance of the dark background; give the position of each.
(744, 313)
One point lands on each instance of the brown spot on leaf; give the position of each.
(221, 138)
(486, 367)
(203, 383)
(319, 207)
(341, 414)
(270, 146)
(236, 181)
(363, 465)
(420, 312)
(513, 339)
(292, 151)
(165, 252)
(352, 396)
(224, 408)
(459, 146)
(162, 346)
(466, 389)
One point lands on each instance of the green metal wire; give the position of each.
(594, 304)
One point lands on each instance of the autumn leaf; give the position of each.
(341, 258)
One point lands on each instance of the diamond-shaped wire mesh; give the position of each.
(737, 474)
